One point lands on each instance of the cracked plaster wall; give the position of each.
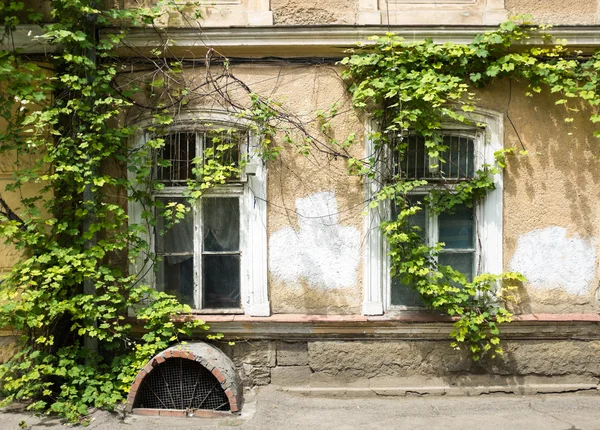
(572, 260)
(321, 251)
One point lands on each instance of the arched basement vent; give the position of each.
(181, 384)
(195, 379)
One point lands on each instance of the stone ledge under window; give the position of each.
(407, 317)
(414, 326)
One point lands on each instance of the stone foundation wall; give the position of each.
(8, 347)
(396, 367)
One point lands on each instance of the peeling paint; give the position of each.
(322, 252)
(549, 259)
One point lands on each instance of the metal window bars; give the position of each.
(174, 162)
(456, 162)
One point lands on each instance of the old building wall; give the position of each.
(315, 210)
(302, 12)
(9, 255)
(386, 12)
(316, 236)
(9, 163)
(239, 13)
(550, 200)
(568, 12)
(399, 367)
(550, 204)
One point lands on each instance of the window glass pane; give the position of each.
(176, 276)
(179, 151)
(221, 278)
(179, 238)
(419, 219)
(404, 295)
(457, 229)
(467, 155)
(221, 224)
(462, 262)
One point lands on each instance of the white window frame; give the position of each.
(488, 215)
(251, 190)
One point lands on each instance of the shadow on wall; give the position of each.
(550, 204)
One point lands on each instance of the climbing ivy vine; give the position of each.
(63, 124)
(419, 87)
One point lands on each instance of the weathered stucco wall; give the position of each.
(8, 254)
(314, 210)
(551, 195)
(213, 13)
(303, 12)
(224, 13)
(550, 209)
(570, 12)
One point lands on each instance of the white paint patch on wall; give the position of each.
(322, 252)
(549, 259)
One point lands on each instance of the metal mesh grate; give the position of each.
(179, 383)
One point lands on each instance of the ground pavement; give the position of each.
(269, 408)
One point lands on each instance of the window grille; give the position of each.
(175, 160)
(456, 162)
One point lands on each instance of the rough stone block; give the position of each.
(391, 358)
(289, 376)
(326, 380)
(257, 353)
(8, 348)
(292, 354)
(255, 375)
(547, 358)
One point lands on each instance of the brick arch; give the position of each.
(211, 358)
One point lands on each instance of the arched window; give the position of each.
(214, 258)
